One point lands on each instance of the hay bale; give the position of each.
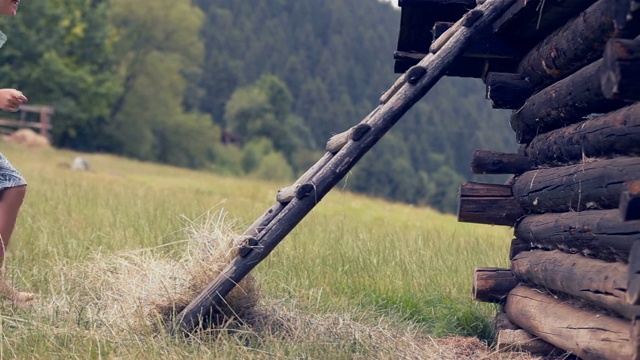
(28, 138)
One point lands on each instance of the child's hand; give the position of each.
(11, 99)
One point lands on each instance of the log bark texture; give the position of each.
(492, 284)
(285, 218)
(565, 102)
(581, 332)
(613, 134)
(593, 233)
(621, 70)
(578, 43)
(492, 162)
(601, 283)
(594, 184)
(488, 204)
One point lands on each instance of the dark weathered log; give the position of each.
(507, 90)
(613, 134)
(487, 204)
(633, 285)
(595, 184)
(487, 45)
(520, 340)
(492, 284)
(563, 103)
(630, 201)
(517, 246)
(621, 70)
(491, 162)
(533, 20)
(601, 283)
(380, 120)
(594, 233)
(576, 44)
(581, 332)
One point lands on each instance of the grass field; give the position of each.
(358, 278)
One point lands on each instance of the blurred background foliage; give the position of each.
(246, 88)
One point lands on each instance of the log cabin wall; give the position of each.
(570, 73)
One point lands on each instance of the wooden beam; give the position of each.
(596, 184)
(285, 217)
(487, 204)
(492, 284)
(565, 102)
(598, 282)
(621, 70)
(491, 162)
(507, 90)
(613, 134)
(596, 233)
(574, 45)
(584, 333)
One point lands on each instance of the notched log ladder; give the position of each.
(282, 217)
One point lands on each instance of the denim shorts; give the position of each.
(9, 176)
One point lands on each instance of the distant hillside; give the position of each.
(335, 58)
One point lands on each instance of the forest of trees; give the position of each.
(162, 81)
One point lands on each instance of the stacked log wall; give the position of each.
(574, 198)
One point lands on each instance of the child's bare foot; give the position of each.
(7, 291)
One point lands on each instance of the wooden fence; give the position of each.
(43, 125)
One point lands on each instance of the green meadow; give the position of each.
(358, 278)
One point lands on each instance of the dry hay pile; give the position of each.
(143, 290)
(28, 138)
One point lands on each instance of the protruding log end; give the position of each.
(630, 201)
(492, 284)
(491, 162)
(507, 90)
(490, 204)
(247, 244)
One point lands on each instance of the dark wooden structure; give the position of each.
(568, 71)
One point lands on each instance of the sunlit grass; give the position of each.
(365, 259)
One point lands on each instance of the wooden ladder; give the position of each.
(343, 152)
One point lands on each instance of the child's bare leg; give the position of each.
(10, 203)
